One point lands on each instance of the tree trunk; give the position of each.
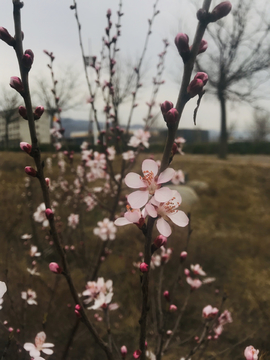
(223, 146)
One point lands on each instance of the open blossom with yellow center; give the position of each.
(166, 211)
(149, 184)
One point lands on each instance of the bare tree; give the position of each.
(9, 102)
(260, 128)
(240, 55)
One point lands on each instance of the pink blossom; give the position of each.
(111, 152)
(104, 295)
(178, 177)
(197, 270)
(209, 312)
(55, 268)
(149, 184)
(194, 283)
(129, 155)
(251, 353)
(137, 354)
(139, 137)
(73, 220)
(26, 147)
(144, 267)
(183, 256)
(34, 252)
(173, 308)
(90, 202)
(40, 345)
(105, 230)
(40, 215)
(30, 171)
(165, 211)
(123, 351)
(166, 295)
(29, 296)
(132, 216)
(225, 318)
(160, 240)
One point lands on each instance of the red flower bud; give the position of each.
(49, 214)
(30, 171)
(203, 46)
(55, 268)
(181, 41)
(123, 351)
(166, 106)
(166, 295)
(23, 112)
(221, 10)
(39, 110)
(137, 354)
(144, 267)
(173, 308)
(6, 37)
(203, 76)
(77, 311)
(16, 84)
(28, 59)
(160, 240)
(197, 84)
(183, 256)
(171, 117)
(26, 147)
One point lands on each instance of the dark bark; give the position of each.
(223, 140)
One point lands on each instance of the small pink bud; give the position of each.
(10, 329)
(195, 87)
(171, 117)
(23, 112)
(145, 344)
(183, 256)
(166, 106)
(5, 322)
(30, 171)
(109, 13)
(6, 37)
(169, 332)
(160, 240)
(26, 147)
(18, 331)
(203, 46)
(55, 268)
(123, 351)
(16, 84)
(202, 76)
(47, 180)
(187, 272)
(181, 41)
(28, 59)
(166, 295)
(77, 311)
(144, 267)
(221, 10)
(137, 354)
(173, 308)
(49, 214)
(39, 110)
(196, 338)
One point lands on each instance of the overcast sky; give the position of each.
(50, 25)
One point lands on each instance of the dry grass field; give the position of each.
(230, 239)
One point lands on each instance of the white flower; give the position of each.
(34, 252)
(111, 152)
(129, 155)
(29, 296)
(165, 211)
(178, 177)
(3, 289)
(139, 137)
(40, 345)
(105, 294)
(84, 145)
(26, 237)
(33, 271)
(131, 216)
(197, 270)
(40, 216)
(73, 220)
(106, 230)
(90, 202)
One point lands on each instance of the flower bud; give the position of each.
(109, 13)
(183, 256)
(55, 268)
(173, 308)
(166, 295)
(195, 87)
(28, 59)
(166, 106)
(47, 180)
(144, 267)
(49, 214)
(16, 84)
(123, 351)
(26, 147)
(202, 76)
(160, 240)
(30, 171)
(23, 112)
(181, 42)
(39, 110)
(203, 46)
(6, 37)
(77, 311)
(171, 117)
(187, 272)
(221, 10)
(137, 354)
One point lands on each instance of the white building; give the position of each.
(18, 130)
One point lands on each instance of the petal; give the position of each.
(163, 194)
(40, 339)
(151, 210)
(48, 345)
(138, 199)
(176, 198)
(3, 288)
(34, 353)
(121, 221)
(134, 181)
(133, 216)
(163, 227)
(179, 218)
(150, 165)
(47, 351)
(29, 346)
(166, 176)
